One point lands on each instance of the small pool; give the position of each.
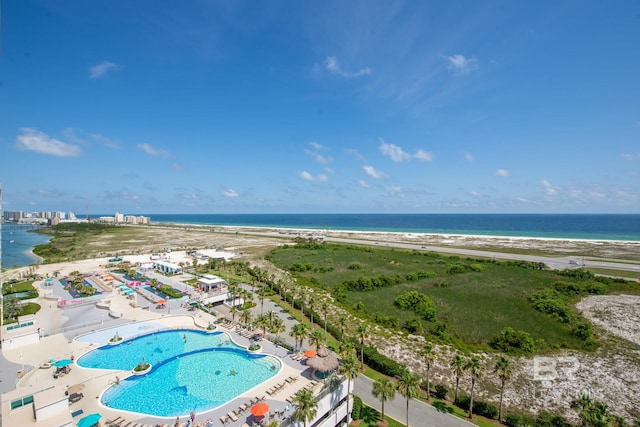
(192, 371)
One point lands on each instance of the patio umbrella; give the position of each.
(161, 301)
(325, 361)
(310, 353)
(89, 420)
(75, 388)
(259, 409)
(63, 362)
(193, 303)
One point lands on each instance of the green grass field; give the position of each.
(474, 305)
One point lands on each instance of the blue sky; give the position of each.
(320, 106)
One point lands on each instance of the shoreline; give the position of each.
(327, 232)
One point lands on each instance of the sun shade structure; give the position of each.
(63, 362)
(325, 361)
(90, 420)
(259, 409)
(75, 388)
(310, 353)
(161, 301)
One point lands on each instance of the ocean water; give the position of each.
(562, 226)
(17, 244)
(623, 227)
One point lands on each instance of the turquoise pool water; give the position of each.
(197, 374)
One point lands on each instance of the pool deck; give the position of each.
(95, 381)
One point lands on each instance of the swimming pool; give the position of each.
(197, 374)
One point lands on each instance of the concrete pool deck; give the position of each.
(64, 345)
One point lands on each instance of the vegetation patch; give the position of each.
(473, 299)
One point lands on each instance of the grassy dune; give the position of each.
(475, 305)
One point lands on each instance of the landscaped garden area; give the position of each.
(13, 294)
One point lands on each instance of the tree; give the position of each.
(299, 332)
(307, 407)
(504, 370)
(325, 312)
(277, 327)
(475, 369)
(409, 388)
(261, 295)
(233, 310)
(342, 322)
(11, 307)
(317, 338)
(429, 355)
(350, 368)
(384, 389)
(363, 334)
(311, 302)
(245, 316)
(262, 321)
(457, 366)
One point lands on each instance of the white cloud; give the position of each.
(460, 65)
(230, 192)
(102, 68)
(331, 64)
(395, 191)
(147, 148)
(630, 156)
(317, 146)
(398, 155)
(373, 173)
(363, 183)
(39, 142)
(423, 156)
(394, 152)
(468, 157)
(306, 176)
(356, 154)
(549, 189)
(78, 136)
(309, 177)
(502, 172)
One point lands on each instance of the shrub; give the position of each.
(357, 408)
(513, 342)
(382, 363)
(421, 304)
(440, 391)
(354, 266)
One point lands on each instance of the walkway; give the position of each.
(420, 413)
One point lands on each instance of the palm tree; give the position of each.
(11, 307)
(350, 368)
(429, 354)
(325, 312)
(307, 406)
(302, 296)
(262, 321)
(504, 370)
(457, 366)
(384, 389)
(277, 327)
(318, 338)
(363, 334)
(409, 388)
(347, 347)
(245, 316)
(342, 322)
(311, 303)
(233, 310)
(475, 370)
(261, 295)
(299, 332)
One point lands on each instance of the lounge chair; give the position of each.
(224, 420)
(242, 407)
(232, 416)
(115, 421)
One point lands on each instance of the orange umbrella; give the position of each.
(259, 409)
(161, 301)
(310, 353)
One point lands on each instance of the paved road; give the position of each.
(420, 413)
